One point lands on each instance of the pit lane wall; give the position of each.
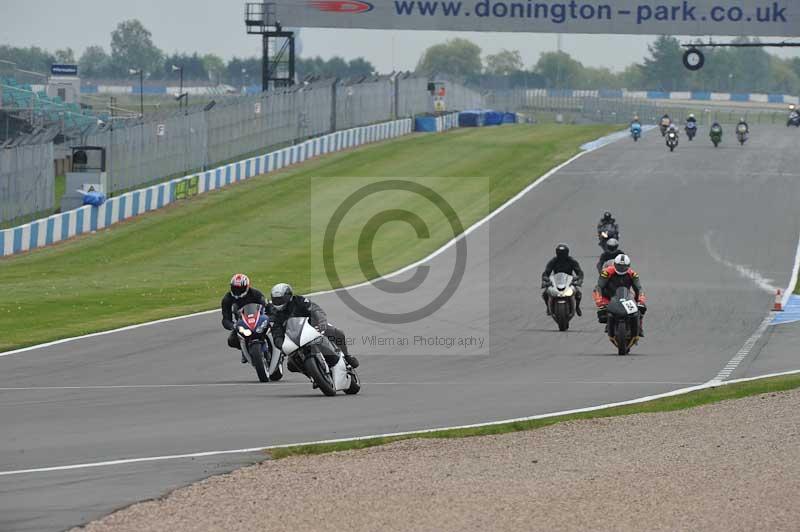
(88, 219)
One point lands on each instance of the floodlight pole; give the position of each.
(140, 71)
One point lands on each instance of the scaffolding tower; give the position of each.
(277, 45)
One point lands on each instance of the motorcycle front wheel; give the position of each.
(561, 315)
(621, 333)
(319, 376)
(258, 361)
(355, 383)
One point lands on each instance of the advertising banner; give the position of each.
(683, 17)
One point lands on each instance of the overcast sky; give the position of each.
(217, 26)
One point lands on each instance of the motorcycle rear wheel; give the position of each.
(311, 367)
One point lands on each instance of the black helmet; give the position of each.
(612, 244)
(280, 295)
(562, 251)
(607, 216)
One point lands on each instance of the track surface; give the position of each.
(680, 213)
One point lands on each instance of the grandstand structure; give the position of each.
(29, 116)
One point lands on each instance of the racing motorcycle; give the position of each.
(636, 131)
(691, 130)
(672, 140)
(794, 119)
(251, 327)
(623, 320)
(716, 134)
(319, 359)
(607, 232)
(561, 299)
(741, 134)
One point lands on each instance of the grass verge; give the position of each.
(667, 404)
(178, 260)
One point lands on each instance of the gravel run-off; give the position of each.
(730, 466)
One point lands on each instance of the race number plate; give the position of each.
(630, 306)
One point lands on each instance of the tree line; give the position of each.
(726, 69)
(132, 46)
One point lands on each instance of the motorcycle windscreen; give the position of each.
(294, 329)
(621, 305)
(561, 280)
(250, 314)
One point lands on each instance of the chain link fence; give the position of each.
(151, 151)
(26, 180)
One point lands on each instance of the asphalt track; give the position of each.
(710, 231)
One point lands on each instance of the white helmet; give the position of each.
(622, 264)
(691, 115)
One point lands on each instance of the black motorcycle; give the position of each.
(672, 140)
(252, 326)
(623, 321)
(606, 233)
(691, 130)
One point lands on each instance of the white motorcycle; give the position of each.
(561, 299)
(319, 359)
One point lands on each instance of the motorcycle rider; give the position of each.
(664, 123)
(284, 305)
(794, 114)
(691, 119)
(607, 224)
(612, 252)
(563, 263)
(636, 120)
(743, 122)
(611, 278)
(239, 295)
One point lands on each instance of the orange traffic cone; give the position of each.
(778, 307)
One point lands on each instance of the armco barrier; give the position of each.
(88, 219)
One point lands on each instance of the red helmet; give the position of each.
(240, 285)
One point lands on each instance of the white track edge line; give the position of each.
(446, 246)
(744, 352)
(795, 273)
(124, 461)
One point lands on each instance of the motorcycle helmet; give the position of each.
(607, 216)
(741, 120)
(622, 264)
(635, 118)
(791, 107)
(562, 251)
(691, 115)
(280, 295)
(612, 244)
(240, 285)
